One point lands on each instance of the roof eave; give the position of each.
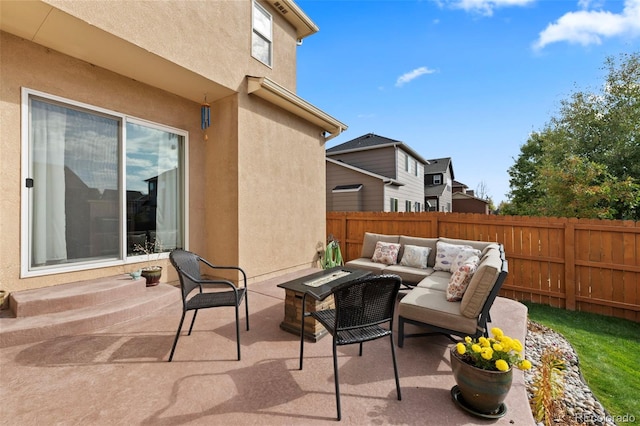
(271, 91)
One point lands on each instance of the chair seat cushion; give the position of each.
(430, 307)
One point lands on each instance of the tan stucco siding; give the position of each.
(212, 38)
(25, 64)
(282, 188)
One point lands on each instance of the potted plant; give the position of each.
(151, 273)
(482, 369)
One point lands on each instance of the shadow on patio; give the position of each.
(119, 375)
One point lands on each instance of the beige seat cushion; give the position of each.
(366, 264)
(429, 306)
(439, 280)
(408, 274)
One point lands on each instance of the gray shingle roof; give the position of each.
(369, 140)
(372, 141)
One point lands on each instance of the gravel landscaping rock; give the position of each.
(580, 406)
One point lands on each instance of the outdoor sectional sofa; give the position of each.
(426, 303)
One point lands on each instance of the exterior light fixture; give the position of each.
(205, 117)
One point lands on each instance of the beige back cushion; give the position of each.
(480, 285)
(370, 240)
(478, 245)
(421, 242)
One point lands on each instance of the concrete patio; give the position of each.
(119, 374)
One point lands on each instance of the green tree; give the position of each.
(586, 161)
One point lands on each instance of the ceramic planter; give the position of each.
(482, 391)
(152, 275)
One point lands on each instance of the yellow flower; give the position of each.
(507, 343)
(497, 347)
(502, 365)
(468, 339)
(497, 332)
(461, 348)
(484, 342)
(487, 353)
(476, 348)
(525, 364)
(517, 346)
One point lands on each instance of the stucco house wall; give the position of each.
(244, 196)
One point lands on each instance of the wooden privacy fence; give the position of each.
(576, 264)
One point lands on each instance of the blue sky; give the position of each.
(466, 79)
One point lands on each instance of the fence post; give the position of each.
(570, 265)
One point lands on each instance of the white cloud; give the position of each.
(590, 26)
(412, 75)
(486, 7)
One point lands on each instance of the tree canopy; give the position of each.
(586, 161)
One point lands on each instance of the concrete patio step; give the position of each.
(76, 295)
(89, 306)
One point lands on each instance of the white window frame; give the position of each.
(266, 37)
(393, 204)
(437, 179)
(25, 240)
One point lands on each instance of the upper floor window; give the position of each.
(437, 179)
(98, 186)
(393, 204)
(261, 38)
(417, 167)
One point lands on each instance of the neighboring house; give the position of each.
(438, 185)
(105, 138)
(374, 173)
(465, 201)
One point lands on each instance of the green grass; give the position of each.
(609, 352)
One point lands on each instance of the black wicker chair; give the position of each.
(363, 311)
(224, 293)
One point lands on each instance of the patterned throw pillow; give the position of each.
(386, 253)
(460, 281)
(446, 254)
(465, 255)
(415, 256)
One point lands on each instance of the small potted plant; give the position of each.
(482, 369)
(151, 273)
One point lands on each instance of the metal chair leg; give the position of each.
(246, 306)
(238, 331)
(395, 367)
(400, 332)
(175, 341)
(335, 377)
(193, 320)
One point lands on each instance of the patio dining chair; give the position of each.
(221, 292)
(363, 312)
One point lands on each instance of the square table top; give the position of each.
(306, 284)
